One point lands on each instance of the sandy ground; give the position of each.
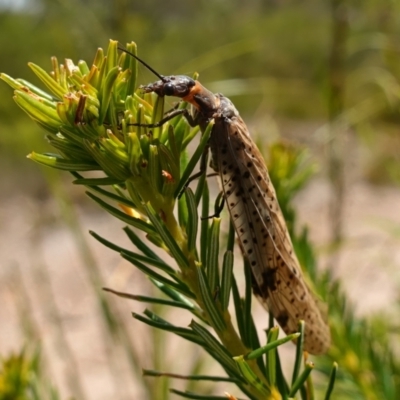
(35, 246)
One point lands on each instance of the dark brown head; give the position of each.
(180, 86)
(174, 85)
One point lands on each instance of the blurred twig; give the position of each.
(337, 84)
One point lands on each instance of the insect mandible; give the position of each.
(277, 278)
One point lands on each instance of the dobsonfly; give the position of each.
(251, 200)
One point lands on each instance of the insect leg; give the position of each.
(171, 114)
(168, 117)
(218, 207)
(175, 107)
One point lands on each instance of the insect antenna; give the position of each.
(143, 63)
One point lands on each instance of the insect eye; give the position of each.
(169, 89)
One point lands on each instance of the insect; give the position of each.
(253, 207)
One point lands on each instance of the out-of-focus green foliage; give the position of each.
(271, 56)
(22, 378)
(284, 45)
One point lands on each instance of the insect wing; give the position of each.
(262, 233)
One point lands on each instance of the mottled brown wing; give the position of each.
(263, 235)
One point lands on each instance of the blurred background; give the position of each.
(324, 75)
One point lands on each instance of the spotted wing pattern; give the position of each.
(260, 226)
